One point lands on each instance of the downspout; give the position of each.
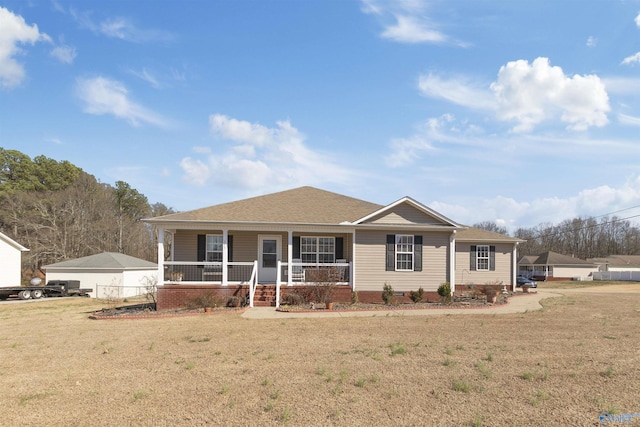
(352, 267)
(225, 256)
(160, 255)
(289, 257)
(514, 271)
(452, 261)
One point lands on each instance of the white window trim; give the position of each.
(207, 251)
(412, 252)
(317, 252)
(487, 249)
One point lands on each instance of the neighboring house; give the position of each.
(10, 261)
(109, 274)
(273, 244)
(555, 266)
(617, 263)
(618, 267)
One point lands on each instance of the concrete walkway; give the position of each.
(517, 304)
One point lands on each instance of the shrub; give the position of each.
(388, 296)
(444, 290)
(354, 297)
(294, 299)
(416, 296)
(324, 281)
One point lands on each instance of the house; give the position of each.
(617, 267)
(617, 263)
(10, 261)
(555, 266)
(268, 246)
(108, 274)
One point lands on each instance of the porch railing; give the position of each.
(253, 283)
(207, 272)
(303, 273)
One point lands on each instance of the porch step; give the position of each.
(265, 296)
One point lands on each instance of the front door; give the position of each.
(269, 253)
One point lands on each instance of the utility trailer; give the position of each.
(53, 288)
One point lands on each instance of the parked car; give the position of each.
(521, 280)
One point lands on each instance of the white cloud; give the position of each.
(407, 21)
(65, 54)
(638, 20)
(252, 156)
(101, 95)
(240, 130)
(15, 31)
(512, 213)
(532, 93)
(629, 120)
(118, 27)
(592, 41)
(456, 90)
(631, 59)
(147, 76)
(410, 29)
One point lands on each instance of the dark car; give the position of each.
(521, 280)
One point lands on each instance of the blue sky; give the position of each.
(510, 111)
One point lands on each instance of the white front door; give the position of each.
(269, 253)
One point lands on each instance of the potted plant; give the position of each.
(328, 303)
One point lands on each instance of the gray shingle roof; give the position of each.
(105, 260)
(303, 205)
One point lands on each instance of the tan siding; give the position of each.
(370, 263)
(404, 214)
(245, 244)
(502, 273)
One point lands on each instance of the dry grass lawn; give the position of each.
(562, 365)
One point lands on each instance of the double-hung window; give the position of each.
(214, 248)
(404, 252)
(483, 258)
(317, 249)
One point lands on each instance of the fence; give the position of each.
(629, 276)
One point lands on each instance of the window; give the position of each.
(317, 249)
(214, 248)
(404, 252)
(482, 257)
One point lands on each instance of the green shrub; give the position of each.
(444, 290)
(416, 296)
(388, 296)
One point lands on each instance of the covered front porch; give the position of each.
(245, 262)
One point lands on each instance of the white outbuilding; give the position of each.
(108, 274)
(10, 261)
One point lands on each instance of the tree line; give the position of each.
(60, 212)
(578, 237)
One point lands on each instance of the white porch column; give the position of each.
(514, 262)
(160, 231)
(452, 261)
(225, 256)
(289, 258)
(352, 267)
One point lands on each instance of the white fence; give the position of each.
(631, 276)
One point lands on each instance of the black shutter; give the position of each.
(339, 248)
(492, 258)
(202, 248)
(472, 262)
(417, 253)
(391, 252)
(296, 247)
(230, 248)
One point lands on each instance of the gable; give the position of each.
(404, 214)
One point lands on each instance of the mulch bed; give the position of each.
(459, 302)
(146, 311)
